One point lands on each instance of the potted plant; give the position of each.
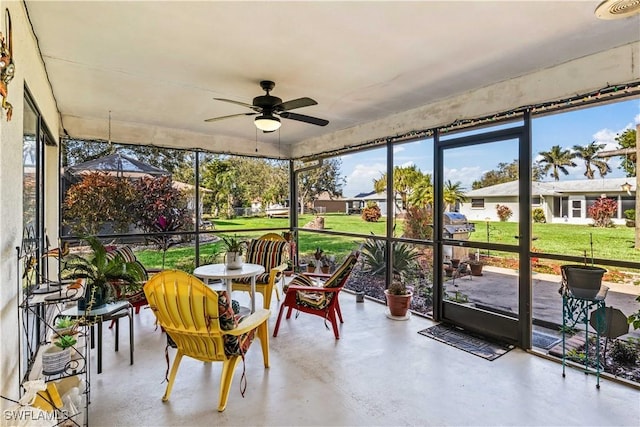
(398, 299)
(235, 248)
(584, 281)
(290, 269)
(311, 266)
(630, 217)
(64, 326)
(98, 270)
(56, 357)
(475, 265)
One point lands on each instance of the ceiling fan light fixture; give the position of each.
(267, 123)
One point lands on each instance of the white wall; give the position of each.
(489, 211)
(30, 72)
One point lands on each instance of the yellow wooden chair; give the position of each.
(272, 252)
(203, 326)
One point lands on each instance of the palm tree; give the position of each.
(404, 180)
(588, 154)
(453, 194)
(557, 159)
(422, 194)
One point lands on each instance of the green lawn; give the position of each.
(567, 239)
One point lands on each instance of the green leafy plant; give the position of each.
(630, 214)
(373, 253)
(634, 319)
(397, 287)
(65, 341)
(538, 216)
(98, 269)
(625, 352)
(234, 244)
(64, 323)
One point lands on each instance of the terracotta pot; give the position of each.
(311, 269)
(398, 304)
(448, 271)
(325, 270)
(476, 269)
(455, 263)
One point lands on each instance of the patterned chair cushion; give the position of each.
(126, 253)
(267, 253)
(321, 300)
(229, 319)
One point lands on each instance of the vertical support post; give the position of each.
(637, 242)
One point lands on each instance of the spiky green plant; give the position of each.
(65, 341)
(373, 253)
(98, 269)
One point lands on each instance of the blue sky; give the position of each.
(601, 124)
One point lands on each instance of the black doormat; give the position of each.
(544, 341)
(467, 341)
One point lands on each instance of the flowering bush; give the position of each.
(602, 211)
(504, 212)
(418, 223)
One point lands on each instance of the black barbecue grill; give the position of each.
(455, 226)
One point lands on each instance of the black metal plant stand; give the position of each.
(576, 313)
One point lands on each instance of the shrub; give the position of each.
(538, 216)
(630, 214)
(624, 352)
(160, 207)
(418, 223)
(371, 213)
(504, 212)
(404, 257)
(602, 211)
(97, 199)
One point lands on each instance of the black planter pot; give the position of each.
(584, 281)
(99, 295)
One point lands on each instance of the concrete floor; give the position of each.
(380, 372)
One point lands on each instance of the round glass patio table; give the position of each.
(220, 271)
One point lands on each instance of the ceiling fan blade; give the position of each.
(215, 119)
(303, 118)
(244, 104)
(295, 103)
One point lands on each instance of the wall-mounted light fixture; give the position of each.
(626, 187)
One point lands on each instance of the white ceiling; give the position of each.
(158, 65)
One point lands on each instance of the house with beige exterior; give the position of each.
(561, 201)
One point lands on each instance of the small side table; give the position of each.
(112, 311)
(220, 271)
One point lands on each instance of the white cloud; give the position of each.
(398, 148)
(360, 180)
(637, 119)
(465, 175)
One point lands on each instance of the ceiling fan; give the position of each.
(269, 107)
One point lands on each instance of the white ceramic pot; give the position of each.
(55, 359)
(233, 260)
